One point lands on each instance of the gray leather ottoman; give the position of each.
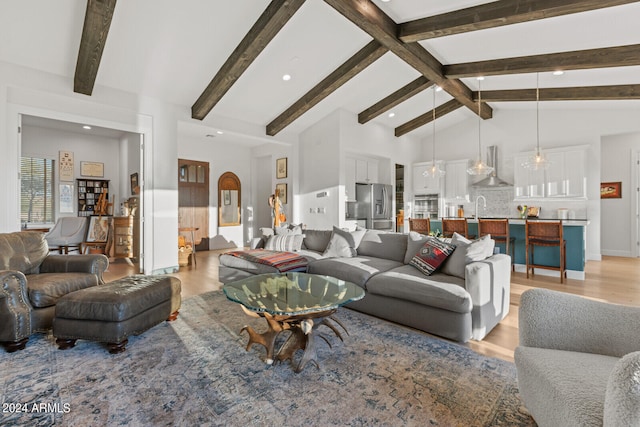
(112, 312)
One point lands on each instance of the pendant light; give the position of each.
(538, 161)
(479, 167)
(434, 170)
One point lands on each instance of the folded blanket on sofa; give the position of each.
(282, 261)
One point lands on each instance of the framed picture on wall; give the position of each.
(134, 184)
(281, 168)
(282, 193)
(94, 169)
(66, 197)
(611, 190)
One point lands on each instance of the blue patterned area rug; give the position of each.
(195, 371)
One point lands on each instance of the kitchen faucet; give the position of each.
(484, 200)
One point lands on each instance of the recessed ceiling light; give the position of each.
(438, 89)
(558, 73)
(385, 1)
(286, 77)
(219, 132)
(86, 127)
(392, 114)
(480, 78)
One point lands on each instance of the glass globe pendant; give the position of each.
(479, 167)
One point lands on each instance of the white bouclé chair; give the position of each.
(578, 362)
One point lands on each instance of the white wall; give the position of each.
(514, 131)
(46, 143)
(619, 154)
(320, 169)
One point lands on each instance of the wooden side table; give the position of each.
(92, 247)
(123, 237)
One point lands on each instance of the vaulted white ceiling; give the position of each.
(171, 50)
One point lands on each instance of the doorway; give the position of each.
(193, 200)
(399, 198)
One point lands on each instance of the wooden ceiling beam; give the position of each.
(496, 14)
(97, 21)
(366, 15)
(618, 56)
(275, 16)
(396, 98)
(427, 117)
(581, 93)
(358, 62)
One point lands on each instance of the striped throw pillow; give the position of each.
(284, 242)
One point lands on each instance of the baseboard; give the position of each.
(571, 274)
(607, 252)
(166, 270)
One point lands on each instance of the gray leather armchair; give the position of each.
(32, 281)
(578, 362)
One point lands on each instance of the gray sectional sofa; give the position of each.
(464, 299)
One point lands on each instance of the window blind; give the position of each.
(36, 190)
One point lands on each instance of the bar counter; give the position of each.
(574, 232)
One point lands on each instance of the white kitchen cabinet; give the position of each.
(527, 183)
(423, 184)
(359, 169)
(456, 184)
(565, 177)
(366, 170)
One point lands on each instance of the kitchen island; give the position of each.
(574, 231)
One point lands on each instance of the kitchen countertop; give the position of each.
(518, 220)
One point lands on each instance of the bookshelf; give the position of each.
(89, 192)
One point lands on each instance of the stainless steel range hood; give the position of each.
(492, 180)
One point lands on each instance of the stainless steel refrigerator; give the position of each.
(374, 203)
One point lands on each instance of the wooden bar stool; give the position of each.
(460, 226)
(499, 231)
(420, 225)
(549, 234)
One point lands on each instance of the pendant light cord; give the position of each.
(479, 120)
(538, 114)
(433, 158)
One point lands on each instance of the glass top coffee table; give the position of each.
(294, 302)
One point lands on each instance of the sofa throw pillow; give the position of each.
(289, 229)
(284, 242)
(431, 255)
(415, 241)
(316, 240)
(343, 243)
(467, 251)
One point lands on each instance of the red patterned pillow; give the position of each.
(431, 255)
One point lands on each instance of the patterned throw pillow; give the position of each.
(285, 242)
(433, 253)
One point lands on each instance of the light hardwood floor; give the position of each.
(614, 279)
